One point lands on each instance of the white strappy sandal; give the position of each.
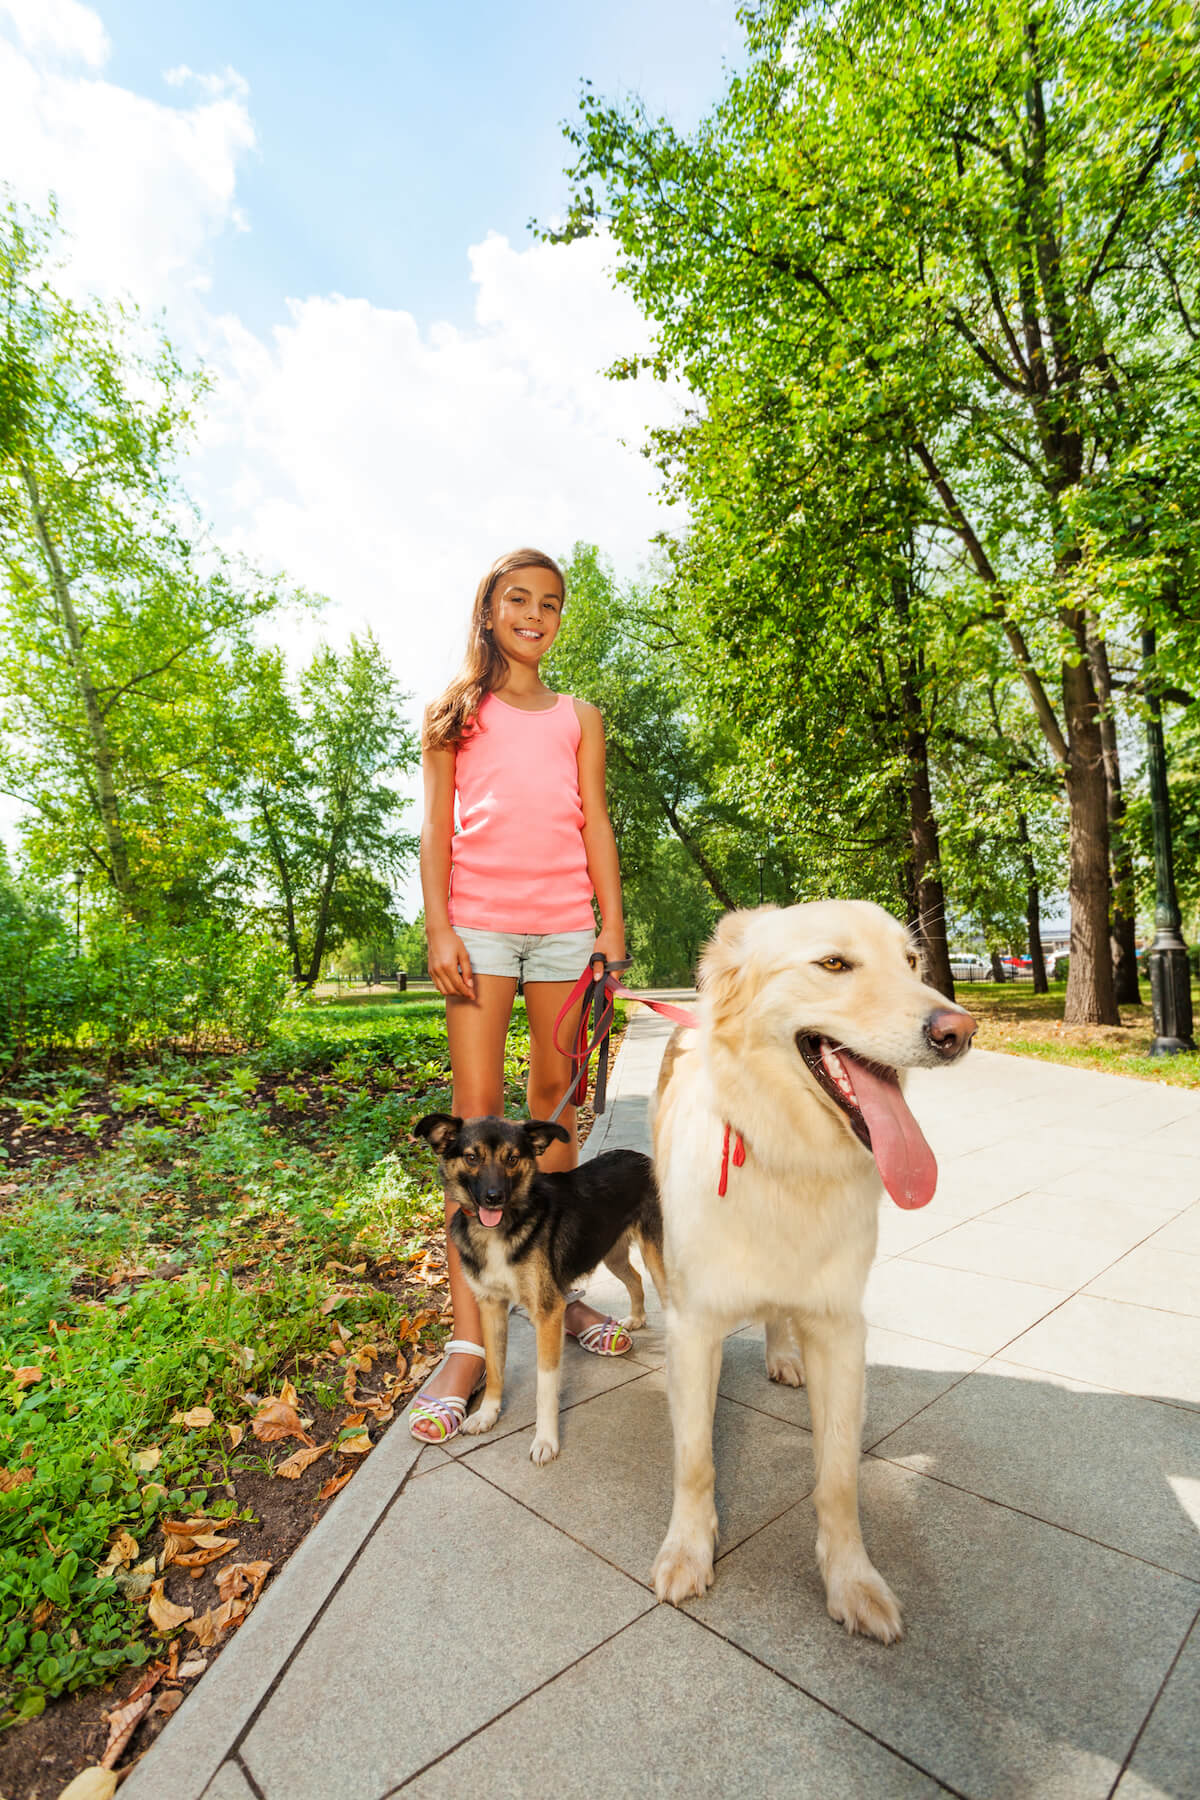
(444, 1413)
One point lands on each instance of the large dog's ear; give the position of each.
(723, 963)
(543, 1132)
(440, 1128)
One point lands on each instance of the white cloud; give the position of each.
(60, 28)
(377, 461)
(143, 188)
(388, 467)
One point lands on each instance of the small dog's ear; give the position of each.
(440, 1128)
(543, 1132)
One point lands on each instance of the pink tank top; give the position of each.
(517, 861)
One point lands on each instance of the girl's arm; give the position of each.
(598, 840)
(449, 964)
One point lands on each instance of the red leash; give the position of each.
(599, 987)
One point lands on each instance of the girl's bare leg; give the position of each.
(476, 1030)
(549, 1073)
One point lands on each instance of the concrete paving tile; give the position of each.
(1137, 1177)
(1110, 1224)
(1031, 1655)
(1117, 1468)
(1152, 1276)
(1180, 1138)
(583, 1376)
(972, 1312)
(1117, 1345)
(1182, 1233)
(459, 1582)
(901, 1231)
(1148, 1108)
(666, 1710)
(611, 1485)
(1024, 1157)
(903, 1375)
(229, 1784)
(1166, 1763)
(198, 1738)
(985, 1246)
(431, 1457)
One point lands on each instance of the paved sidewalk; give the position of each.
(464, 1624)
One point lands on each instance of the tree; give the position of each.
(971, 234)
(120, 629)
(323, 815)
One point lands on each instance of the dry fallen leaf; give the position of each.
(212, 1625)
(418, 1370)
(236, 1434)
(195, 1418)
(122, 1723)
(294, 1467)
(135, 1583)
(208, 1548)
(122, 1550)
(333, 1486)
(145, 1460)
(27, 1376)
(233, 1581)
(355, 1446)
(275, 1419)
(91, 1784)
(168, 1701)
(195, 1665)
(163, 1614)
(41, 1613)
(288, 1394)
(13, 1478)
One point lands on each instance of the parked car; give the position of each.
(970, 968)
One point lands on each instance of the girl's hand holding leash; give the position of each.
(450, 965)
(610, 943)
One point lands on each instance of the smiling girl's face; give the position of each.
(525, 613)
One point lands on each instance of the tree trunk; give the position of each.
(1090, 997)
(107, 802)
(928, 892)
(697, 855)
(997, 966)
(1122, 929)
(285, 882)
(1033, 910)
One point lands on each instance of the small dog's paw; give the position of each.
(786, 1366)
(682, 1571)
(478, 1422)
(863, 1602)
(543, 1450)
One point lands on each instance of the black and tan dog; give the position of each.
(526, 1237)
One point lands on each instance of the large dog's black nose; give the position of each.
(950, 1032)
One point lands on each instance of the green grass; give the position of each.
(1015, 1020)
(186, 1265)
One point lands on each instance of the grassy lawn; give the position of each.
(205, 1267)
(1014, 1019)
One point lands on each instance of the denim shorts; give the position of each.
(552, 956)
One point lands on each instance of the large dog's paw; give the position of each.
(860, 1599)
(635, 1320)
(478, 1422)
(543, 1450)
(683, 1569)
(786, 1365)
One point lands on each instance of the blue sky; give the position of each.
(392, 136)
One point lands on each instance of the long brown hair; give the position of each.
(452, 715)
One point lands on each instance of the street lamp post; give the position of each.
(1170, 976)
(79, 873)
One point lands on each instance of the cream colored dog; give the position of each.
(806, 1015)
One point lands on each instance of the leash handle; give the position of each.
(598, 987)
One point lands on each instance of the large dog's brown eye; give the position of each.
(511, 1159)
(837, 965)
(471, 1158)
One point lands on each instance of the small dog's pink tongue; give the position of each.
(898, 1145)
(489, 1215)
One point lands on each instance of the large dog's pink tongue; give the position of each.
(489, 1215)
(898, 1145)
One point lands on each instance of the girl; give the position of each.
(509, 896)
